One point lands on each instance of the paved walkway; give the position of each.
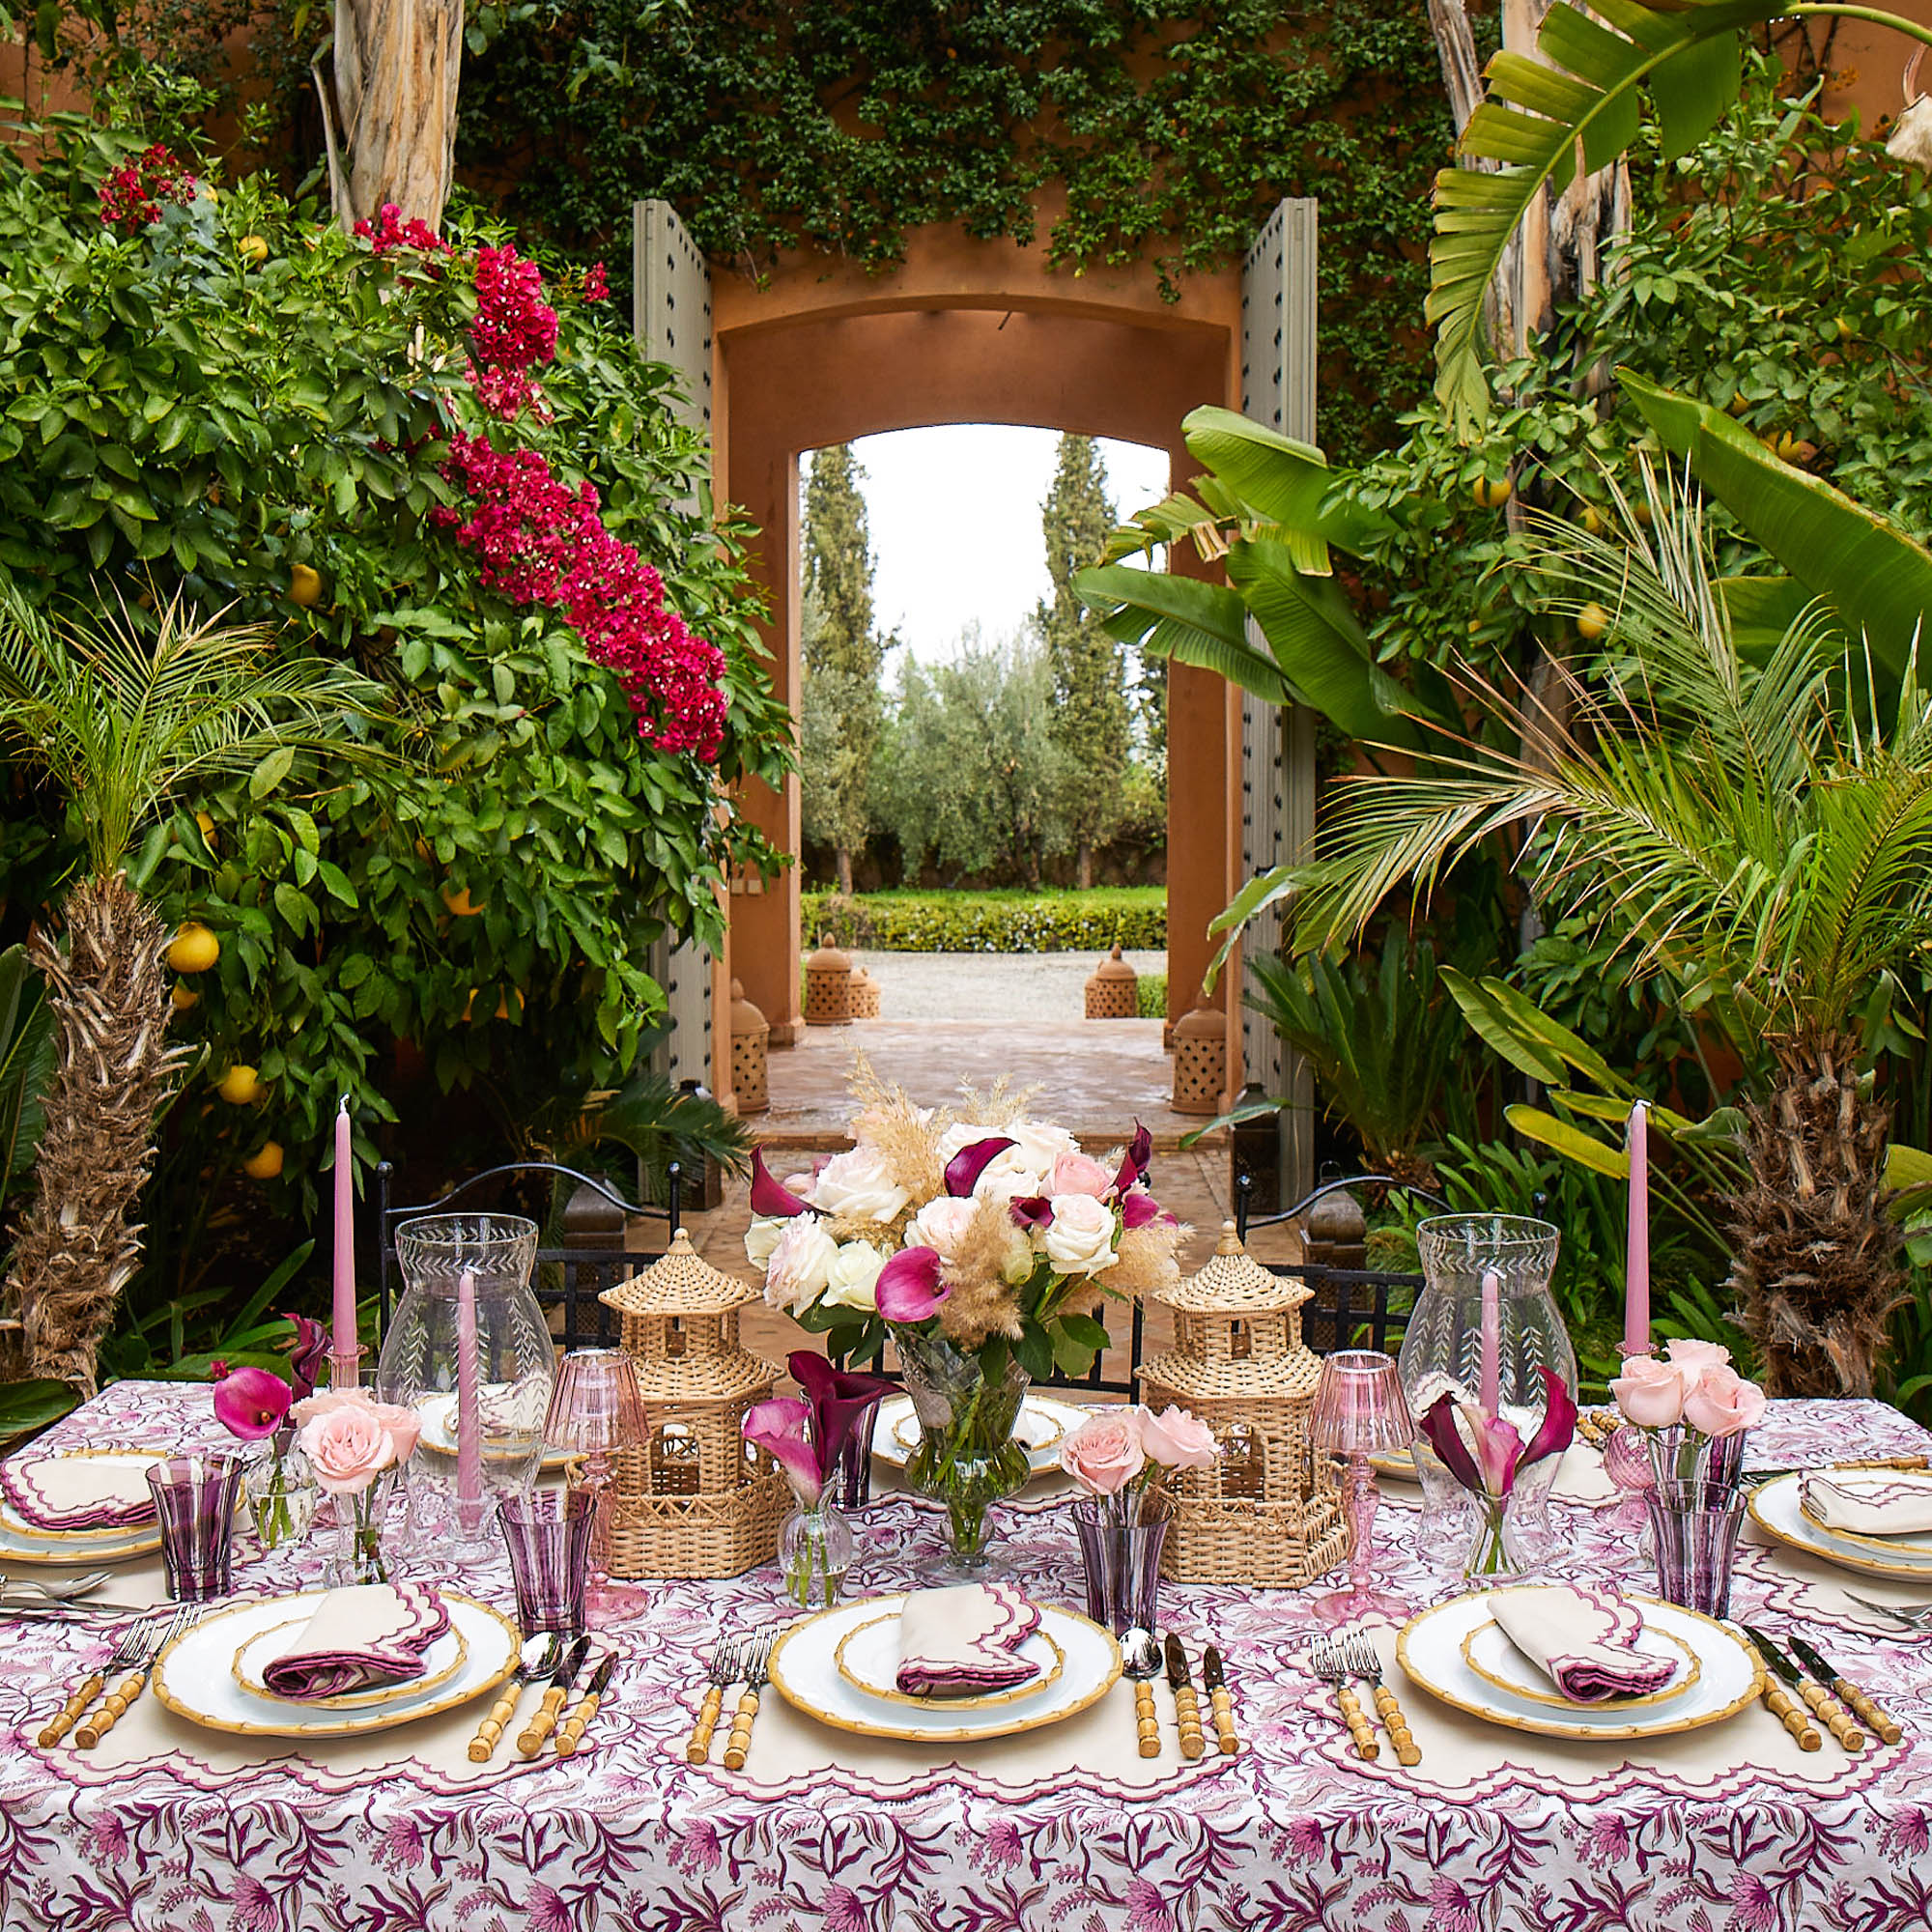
(994, 987)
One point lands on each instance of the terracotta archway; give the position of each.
(969, 331)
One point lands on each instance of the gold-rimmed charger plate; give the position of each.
(22, 1542)
(804, 1673)
(1775, 1509)
(1529, 1684)
(1428, 1647)
(889, 1693)
(17, 1527)
(192, 1678)
(1914, 1544)
(447, 1654)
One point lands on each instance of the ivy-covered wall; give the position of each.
(839, 126)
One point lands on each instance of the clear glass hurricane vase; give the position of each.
(1442, 1353)
(815, 1550)
(967, 1458)
(452, 1510)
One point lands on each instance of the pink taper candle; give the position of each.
(343, 1343)
(1492, 1342)
(469, 1422)
(1637, 1254)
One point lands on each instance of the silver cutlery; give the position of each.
(489, 1732)
(114, 1706)
(25, 1591)
(1359, 1654)
(757, 1674)
(721, 1674)
(135, 1649)
(1913, 1616)
(1327, 1662)
(1140, 1665)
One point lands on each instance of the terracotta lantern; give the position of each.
(828, 985)
(864, 995)
(751, 1038)
(1265, 1512)
(1113, 990)
(1200, 1060)
(696, 1499)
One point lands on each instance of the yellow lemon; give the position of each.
(304, 586)
(462, 904)
(194, 948)
(253, 249)
(1492, 493)
(1593, 520)
(239, 1085)
(264, 1163)
(183, 999)
(1592, 621)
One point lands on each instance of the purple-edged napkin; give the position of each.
(1870, 1502)
(957, 1641)
(78, 1491)
(359, 1639)
(1584, 1641)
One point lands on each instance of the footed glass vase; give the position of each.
(967, 1458)
(816, 1548)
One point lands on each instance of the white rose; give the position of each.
(801, 1265)
(859, 1183)
(1081, 1239)
(855, 1277)
(761, 1237)
(1039, 1146)
(1007, 1179)
(940, 1225)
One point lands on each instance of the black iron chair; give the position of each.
(1349, 1308)
(566, 1275)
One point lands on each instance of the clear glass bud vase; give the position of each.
(816, 1548)
(967, 1458)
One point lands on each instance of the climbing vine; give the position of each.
(1101, 130)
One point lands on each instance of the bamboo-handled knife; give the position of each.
(1874, 1714)
(1219, 1700)
(1780, 1702)
(542, 1720)
(1186, 1703)
(570, 1733)
(528, 1670)
(1822, 1706)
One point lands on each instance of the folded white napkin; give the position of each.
(1875, 1502)
(360, 1639)
(958, 1640)
(78, 1491)
(1584, 1641)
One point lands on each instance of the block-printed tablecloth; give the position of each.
(1726, 1830)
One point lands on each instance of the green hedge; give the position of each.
(1048, 921)
(1150, 990)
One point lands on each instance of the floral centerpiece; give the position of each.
(806, 1436)
(253, 1405)
(1486, 1454)
(1692, 1410)
(980, 1242)
(356, 1444)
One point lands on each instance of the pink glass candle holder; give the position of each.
(1360, 1411)
(596, 1410)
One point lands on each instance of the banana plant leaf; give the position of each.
(1181, 617)
(27, 1408)
(1874, 575)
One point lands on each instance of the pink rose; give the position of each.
(349, 1448)
(1649, 1392)
(1077, 1174)
(1177, 1440)
(404, 1425)
(1722, 1403)
(1691, 1358)
(1104, 1454)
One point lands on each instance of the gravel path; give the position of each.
(989, 986)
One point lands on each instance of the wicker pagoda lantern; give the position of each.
(696, 1500)
(1267, 1513)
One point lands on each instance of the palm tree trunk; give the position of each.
(78, 1248)
(1817, 1267)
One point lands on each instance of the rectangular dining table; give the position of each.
(166, 1826)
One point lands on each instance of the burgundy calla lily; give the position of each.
(251, 1402)
(307, 1353)
(964, 1169)
(909, 1287)
(1559, 1421)
(1499, 1456)
(771, 1198)
(1033, 1213)
(837, 1398)
(1140, 1209)
(1135, 1162)
(781, 1428)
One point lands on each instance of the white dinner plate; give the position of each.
(195, 1679)
(805, 1670)
(443, 1660)
(1776, 1508)
(22, 1542)
(439, 1429)
(1488, 1651)
(1429, 1649)
(1043, 1424)
(869, 1656)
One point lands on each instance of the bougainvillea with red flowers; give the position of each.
(390, 231)
(132, 195)
(541, 541)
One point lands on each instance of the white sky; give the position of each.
(955, 521)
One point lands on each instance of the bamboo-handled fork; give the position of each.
(1328, 1664)
(1359, 1654)
(723, 1671)
(134, 1654)
(126, 1649)
(757, 1674)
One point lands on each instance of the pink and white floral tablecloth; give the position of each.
(1729, 1830)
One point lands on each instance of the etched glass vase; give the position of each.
(967, 1458)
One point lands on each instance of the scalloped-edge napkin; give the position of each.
(1879, 1502)
(965, 1638)
(1582, 1641)
(78, 1491)
(360, 1639)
